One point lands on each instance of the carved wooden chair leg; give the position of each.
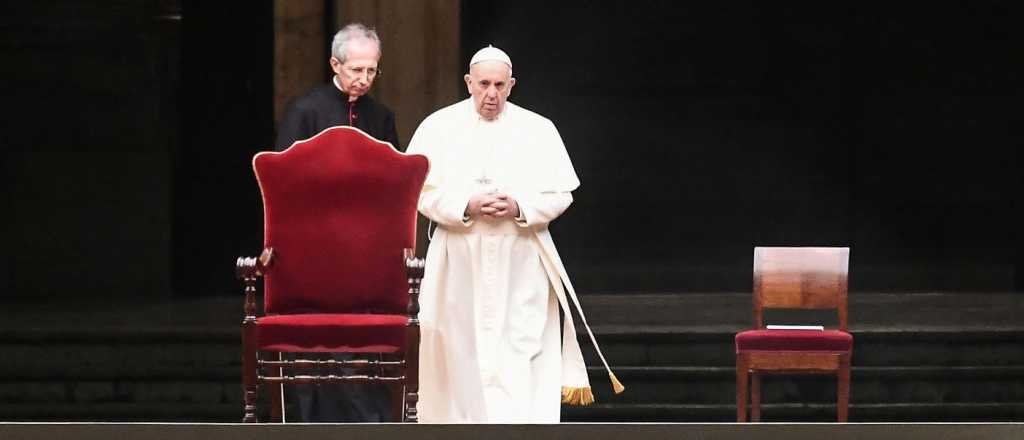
(248, 270)
(250, 387)
(741, 388)
(414, 269)
(250, 374)
(411, 397)
(755, 396)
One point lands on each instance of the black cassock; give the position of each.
(322, 108)
(325, 106)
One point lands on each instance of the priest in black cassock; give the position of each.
(355, 53)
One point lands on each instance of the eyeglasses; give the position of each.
(369, 72)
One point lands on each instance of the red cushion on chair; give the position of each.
(353, 333)
(794, 340)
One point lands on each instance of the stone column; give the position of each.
(421, 71)
(300, 50)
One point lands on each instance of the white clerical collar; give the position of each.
(343, 92)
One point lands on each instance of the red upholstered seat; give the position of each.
(794, 340)
(319, 332)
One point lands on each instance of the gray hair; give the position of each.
(354, 31)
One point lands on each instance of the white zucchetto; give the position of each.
(491, 53)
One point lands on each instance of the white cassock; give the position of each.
(490, 298)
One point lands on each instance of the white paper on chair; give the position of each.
(795, 327)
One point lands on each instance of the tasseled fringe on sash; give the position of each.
(577, 396)
(616, 385)
(584, 395)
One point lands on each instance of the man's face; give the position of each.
(356, 75)
(490, 83)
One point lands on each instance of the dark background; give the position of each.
(702, 130)
(698, 132)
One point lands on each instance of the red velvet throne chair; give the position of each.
(338, 267)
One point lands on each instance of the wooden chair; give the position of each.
(795, 278)
(338, 266)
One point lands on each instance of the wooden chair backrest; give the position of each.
(800, 278)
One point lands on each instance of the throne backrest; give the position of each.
(338, 210)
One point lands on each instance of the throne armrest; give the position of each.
(248, 269)
(414, 268)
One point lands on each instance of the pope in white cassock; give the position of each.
(494, 283)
